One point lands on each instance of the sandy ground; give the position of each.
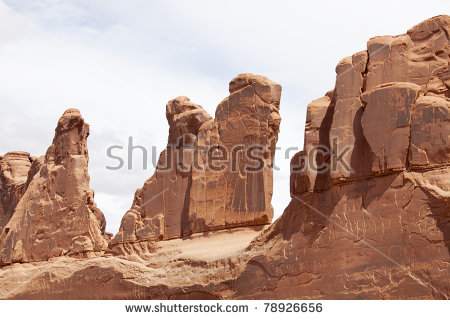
(198, 259)
(209, 247)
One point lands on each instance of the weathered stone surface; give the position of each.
(56, 215)
(372, 237)
(417, 61)
(197, 192)
(382, 232)
(419, 56)
(14, 168)
(386, 124)
(430, 132)
(199, 262)
(346, 131)
(305, 175)
(383, 238)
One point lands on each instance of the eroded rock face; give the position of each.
(304, 174)
(386, 124)
(371, 123)
(14, 168)
(346, 127)
(383, 238)
(378, 231)
(430, 132)
(56, 215)
(381, 229)
(202, 181)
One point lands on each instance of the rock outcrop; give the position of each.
(51, 208)
(14, 167)
(370, 211)
(214, 173)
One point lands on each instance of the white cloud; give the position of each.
(119, 62)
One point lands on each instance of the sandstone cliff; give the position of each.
(370, 211)
(201, 182)
(56, 214)
(375, 223)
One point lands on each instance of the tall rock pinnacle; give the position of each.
(214, 173)
(56, 215)
(369, 216)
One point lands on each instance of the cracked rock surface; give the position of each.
(14, 168)
(51, 208)
(382, 229)
(378, 231)
(189, 193)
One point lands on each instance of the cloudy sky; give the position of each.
(120, 61)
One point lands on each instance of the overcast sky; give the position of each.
(120, 61)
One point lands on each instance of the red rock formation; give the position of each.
(371, 110)
(56, 215)
(430, 132)
(14, 167)
(373, 224)
(197, 194)
(382, 229)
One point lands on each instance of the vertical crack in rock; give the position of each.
(389, 106)
(380, 231)
(397, 199)
(430, 132)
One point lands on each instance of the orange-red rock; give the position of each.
(346, 130)
(14, 168)
(362, 235)
(56, 215)
(304, 174)
(378, 231)
(198, 193)
(386, 124)
(430, 132)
